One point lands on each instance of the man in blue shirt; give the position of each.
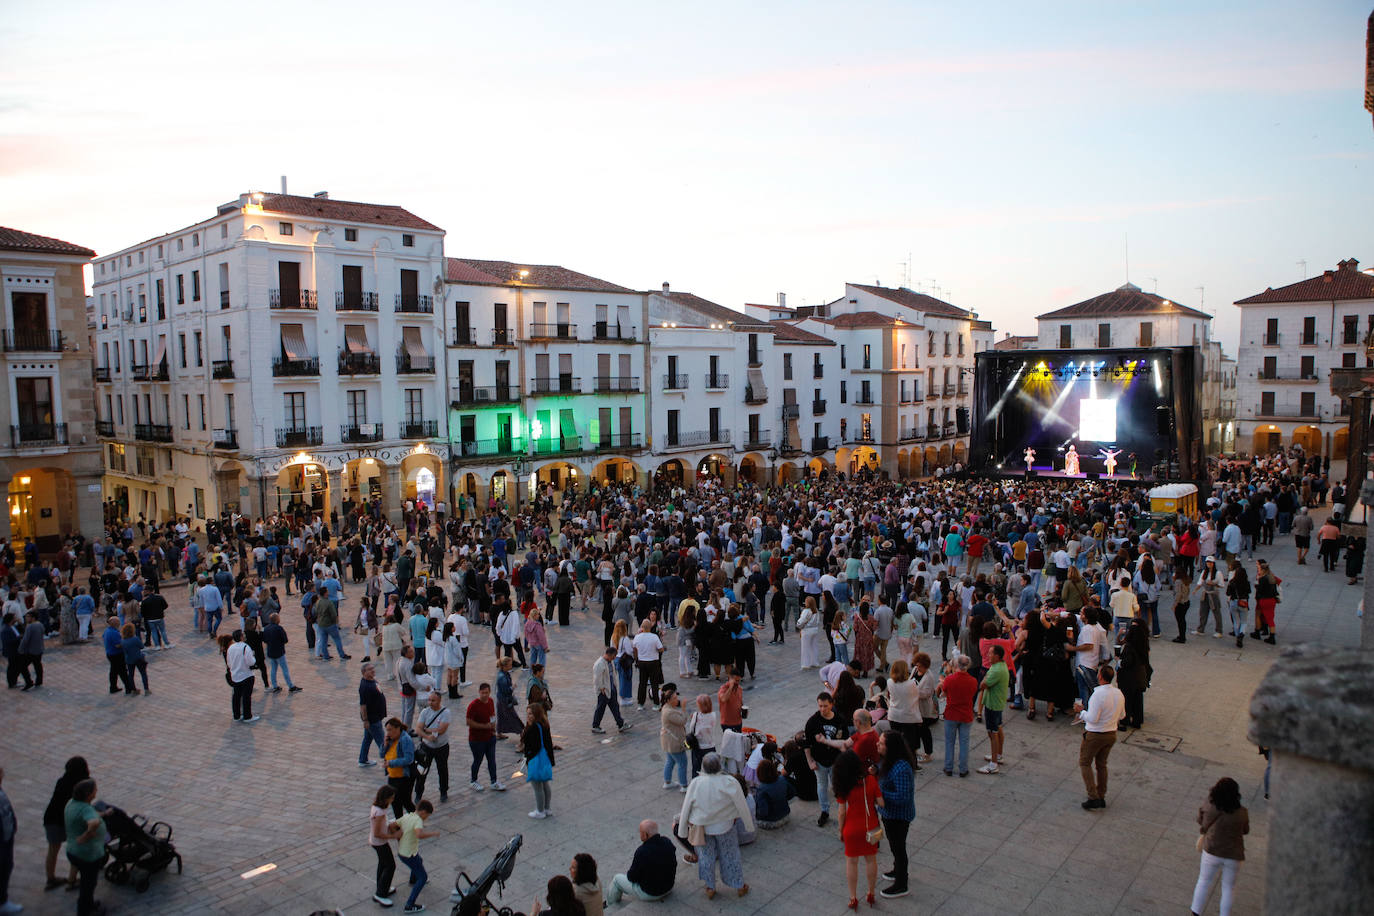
(114, 654)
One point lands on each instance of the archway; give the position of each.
(230, 479)
(1340, 444)
(502, 487)
(842, 459)
(41, 504)
(303, 488)
(671, 473)
(560, 475)
(930, 461)
(943, 460)
(817, 468)
(362, 480)
(960, 452)
(786, 472)
(1310, 438)
(863, 458)
(1266, 441)
(421, 476)
(713, 466)
(616, 470)
(903, 463)
(749, 467)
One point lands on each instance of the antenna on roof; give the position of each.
(1155, 281)
(1202, 299)
(1127, 250)
(1303, 265)
(906, 271)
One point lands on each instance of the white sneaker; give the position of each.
(988, 768)
(538, 815)
(667, 785)
(254, 719)
(477, 786)
(499, 786)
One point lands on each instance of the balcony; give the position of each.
(717, 381)
(1271, 340)
(559, 331)
(864, 399)
(565, 384)
(935, 392)
(38, 435)
(360, 432)
(153, 432)
(355, 301)
(818, 406)
(963, 389)
(933, 433)
(675, 382)
(469, 395)
(758, 439)
(789, 448)
(502, 337)
(791, 411)
(464, 337)
(820, 443)
(138, 373)
(31, 341)
(413, 365)
(864, 437)
(611, 384)
(414, 304)
(224, 298)
(292, 299)
(227, 438)
(1286, 375)
(1287, 413)
(949, 389)
(351, 363)
(606, 331)
(486, 448)
(949, 429)
(222, 368)
(283, 367)
(755, 397)
(105, 428)
(618, 442)
(101, 373)
(1309, 340)
(161, 373)
(558, 445)
(298, 436)
(419, 429)
(698, 437)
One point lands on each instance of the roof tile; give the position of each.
(1345, 282)
(1125, 300)
(914, 300)
(347, 211)
(18, 240)
(541, 276)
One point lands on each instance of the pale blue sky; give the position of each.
(734, 150)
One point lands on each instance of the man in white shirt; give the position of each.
(1105, 709)
(1090, 645)
(239, 660)
(648, 650)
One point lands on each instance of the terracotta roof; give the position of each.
(17, 240)
(346, 211)
(1345, 282)
(713, 311)
(1016, 342)
(861, 320)
(540, 276)
(914, 300)
(1125, 300)
(786, 332)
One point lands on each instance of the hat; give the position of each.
(1211, 559)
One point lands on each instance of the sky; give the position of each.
(1009, 158)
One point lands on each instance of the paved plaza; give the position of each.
(287, 792)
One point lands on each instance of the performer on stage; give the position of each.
(1133, 460)
(1030, 459)
(1071, 462)
(1108, 457)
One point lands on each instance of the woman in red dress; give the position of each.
(857, 795)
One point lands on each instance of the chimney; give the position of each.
(321, 195)
(1328, 276)
(283, 184)
(665, 288)
(782, 300)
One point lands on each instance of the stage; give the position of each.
(1046, 471)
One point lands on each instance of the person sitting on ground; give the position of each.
(652, 871)
(771, 810)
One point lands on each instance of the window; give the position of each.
(224, 286)
(186, 410)
(1309, 367)
(1065, 336)
(357, 408)
(787, 366)
(415, 405)
(1104, 335)
(1347, 360)
(195, 286)
(195, 243)
(29, 312)
(181, 348)
(115, 461)
(1271, 367)
(159, 254)
(961, 344)
(844, 361)
(844, 391)
(407, 240)
(140, 257)
(903, 351)
(181, 289)
(350, 235)
(293, 410)
(224, 230)
(201, 397)
(1147, 334)
(868, 356)
(713, 424)
(181, 244)
(1271, 332)
(1309, 331)
(1350, 329)
(286, 229)
(817, 370)
(160, 289)
(1309, 404)
(199, 361)
(199, 494)
(35, 405)
(1267, 403)
(672, 427)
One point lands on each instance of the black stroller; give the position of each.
(137, 850)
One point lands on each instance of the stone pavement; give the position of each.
(287, 791)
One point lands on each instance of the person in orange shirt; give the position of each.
(731, 698)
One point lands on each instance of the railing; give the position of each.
(949, 429)
(818, 406)
(419, 429)
(788, 447)
(38, 341)
(293, 299)
(1288, 412)
(413, 365)
(284, 368)
(1287, 376)
(613, 441)
(908, 435)
(161, 373)
(820, 443)
(502, 337)
(861, 436)
(101, 373)
(355, 301)
(604, 331)
(698, 437)
(139, 373)
(963, 389)
(1308, 340)
(935, 392)
(560, 330)
(717, 381)
(37, 435)
(564, 384)
(360, 432)
(791, 411)
(949, 389)
(464, 336)
(153, 432)
(415, 304)
(479, 448)
(556, 445)
(1270, 340)
(933, 433)
(762, 438)
(677, 382)
(105, 428)
(296, 436)
(351, 363)
(865, 398)
(486, 394)
(224, 302)
(227, 438)
(612, 383)
(754, 397)
(222, 368)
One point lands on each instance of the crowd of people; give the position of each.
(1035, 593)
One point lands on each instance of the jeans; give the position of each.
(842, 652)
(1237, 618)
(1086, 679)
(483, 750)
(157, 633)
(408, 709)
(1207, 876)
(603, 703)
(243, 698)
(962, 730)
(276, 663)
(324, 635)
(1285, 522)
(386, 869)
(538, 655)
(896, 841)
(89, 870)
(626, 681)
(823, 787)
(622, 885)
(83, 622)
(418, 875)
(678, 760)
(212, 621)
(372, 731)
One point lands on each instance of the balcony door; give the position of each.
(353, 286)
(35, 405)
(29, 314)
(289, 283)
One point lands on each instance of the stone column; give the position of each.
(89, 506)
(1315, 712)
(5, 509)
(391, 494)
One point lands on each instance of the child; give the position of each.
(412, 830)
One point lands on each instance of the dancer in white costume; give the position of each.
(1108, 457)
(1071, 462)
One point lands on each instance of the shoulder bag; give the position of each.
(875, 834)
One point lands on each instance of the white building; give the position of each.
(283, 349)
(1290, 340)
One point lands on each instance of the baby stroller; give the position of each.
(135, 847)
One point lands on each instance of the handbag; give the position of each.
(875, 834)
(626, 662)
(690, 738)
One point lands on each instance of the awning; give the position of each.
(161, 352)
(1173, 491)
(566, 427)
(756, 383)
(293, 342)
(355, 339)
(414, 344)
